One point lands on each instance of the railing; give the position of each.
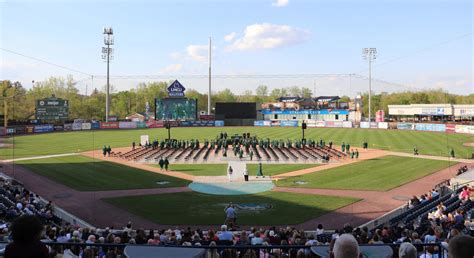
(229, 250)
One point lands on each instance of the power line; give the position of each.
(46, 62)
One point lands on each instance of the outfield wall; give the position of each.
(45, 128)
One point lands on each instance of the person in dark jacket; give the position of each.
(26, 233)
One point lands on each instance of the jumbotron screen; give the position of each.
(175, 109)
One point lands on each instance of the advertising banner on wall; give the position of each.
(86, 126)
(275, 123)
(383, 125)
(431, 127)
(109, 125)
(364, 125)
(30, 129)
(465, 129)
(347, 124)
(43, 128)
(20, 129)
(127, 125)
(141, 124)
(320, 123)
(405, 126)
(289, 123)
(218, 123)
(76, 126)
(450, 128)
(374, 125)
(58, 128)
(258, 123)
(67, 127)
(154, 124)
(95, 125)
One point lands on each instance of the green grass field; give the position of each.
(202, 209)
(379, 174)
(396, 140)
(221, 169)
(86, 174)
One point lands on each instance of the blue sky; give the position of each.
(432, 39)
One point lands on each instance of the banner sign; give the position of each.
(275, 123)
(346, 124)
(258, 123)
(196, 123)
(374, 125)
(320, 123)
(289, 123)
(383, 125)
(176, 89)
(76, 126)
(58, 128)
(141, 124)
(127, 125)
(154, 124)
(10, 130)
(219, 123)
(95, 125)
(465, 129)
(405, 126)
(207, 117)
(43, 128)
(450, 128)
(67, 127)
(306, 112)
(30, 129)
(86, 126)
(431, 127)
(364, 125)
(109, 125)
(20, 129)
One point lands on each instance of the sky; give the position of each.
(420, 44)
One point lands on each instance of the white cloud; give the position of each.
(230, 36)
(280, 3)
(175, 55)
(267, 36)
(197, 52)
(172, 68)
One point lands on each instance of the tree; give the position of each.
(306, 92)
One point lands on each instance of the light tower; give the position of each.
(107, 55)
(370, 54)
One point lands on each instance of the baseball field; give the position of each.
(294, 200)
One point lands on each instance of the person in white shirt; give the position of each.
(246, 174)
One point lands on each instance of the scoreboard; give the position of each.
(52, 109)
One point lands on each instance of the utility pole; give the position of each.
(370, 54)
(209, 93)
(107, 55)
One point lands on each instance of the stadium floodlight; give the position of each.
(370, 54)
(107, 55)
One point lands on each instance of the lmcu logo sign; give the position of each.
(176, 89)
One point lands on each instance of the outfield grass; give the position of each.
(396, 140)
(191, 208)
(87, 174)
(380, 174)
(221, 169)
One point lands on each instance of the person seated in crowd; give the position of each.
(26, 233)
(407, 250)
(225, 235)
(461, 247)
(346, 246)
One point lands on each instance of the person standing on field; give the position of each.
(166, 163)
(161, 163)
